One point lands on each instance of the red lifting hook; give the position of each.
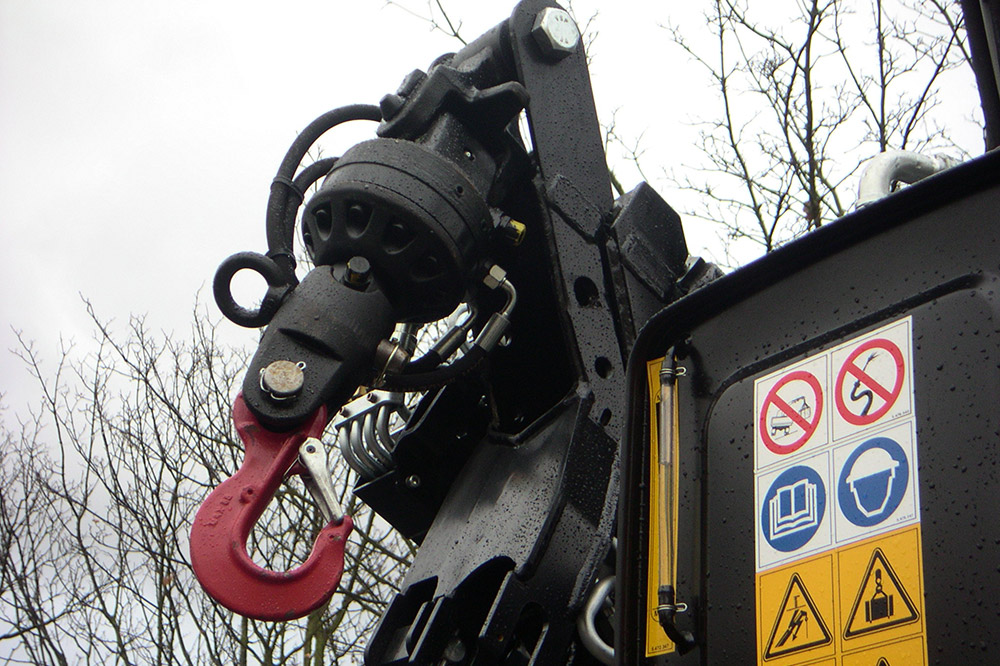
(223, 524)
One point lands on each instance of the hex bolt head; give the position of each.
(555, 32)
(358, 273)
(282, 379)
(494, 277)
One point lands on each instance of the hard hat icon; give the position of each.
(871, 480)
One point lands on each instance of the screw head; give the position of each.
(413, 481)
(555, 32)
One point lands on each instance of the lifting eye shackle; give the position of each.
(226, 518)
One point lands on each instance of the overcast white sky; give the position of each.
(138, 138)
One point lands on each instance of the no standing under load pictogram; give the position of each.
(791, 412)
(881, 602)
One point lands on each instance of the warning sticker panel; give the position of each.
(837, 506)
(856, 604)
(835, 453)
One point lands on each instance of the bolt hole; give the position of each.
(603, 366)
(426, 268)
(324, 222)
(459, 190)
(397, 236)
(356, 220)
(605, 418)
(585, 291)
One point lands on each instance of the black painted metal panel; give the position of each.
(931, 252)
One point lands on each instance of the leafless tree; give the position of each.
(804, 97)
(100, 485)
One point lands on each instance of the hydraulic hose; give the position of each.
(286, 194)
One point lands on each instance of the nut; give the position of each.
(555, 32)
(495, 277)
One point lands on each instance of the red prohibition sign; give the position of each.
(889, 395)
(808, 427)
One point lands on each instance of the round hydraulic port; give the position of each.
(358, 273)
(282, 379)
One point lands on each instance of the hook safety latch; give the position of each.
(224, 522)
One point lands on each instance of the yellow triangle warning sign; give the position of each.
(798, 625)
(881, 602)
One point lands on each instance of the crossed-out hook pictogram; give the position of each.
(226, 518)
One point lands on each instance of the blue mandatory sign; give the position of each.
(793, 508)
(873, 481)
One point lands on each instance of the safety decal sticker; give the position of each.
(873, 380)
(798, 625)
(908, 652)
(855, 462)
(851, 606)
(793, 507)
(875, 486)
(871, 393)
(785, 425)
(791, 412)
(881, 602)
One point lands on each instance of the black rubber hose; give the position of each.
(302, 182)
(312, 173)
(280, 233)
(425, 363)
(426, 381)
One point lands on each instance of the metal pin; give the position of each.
(319, 481)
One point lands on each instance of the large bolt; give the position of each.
(555, 33)
(282, 379)
(358, 274)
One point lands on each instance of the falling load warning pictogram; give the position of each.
(882, 602)
(798, 625)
